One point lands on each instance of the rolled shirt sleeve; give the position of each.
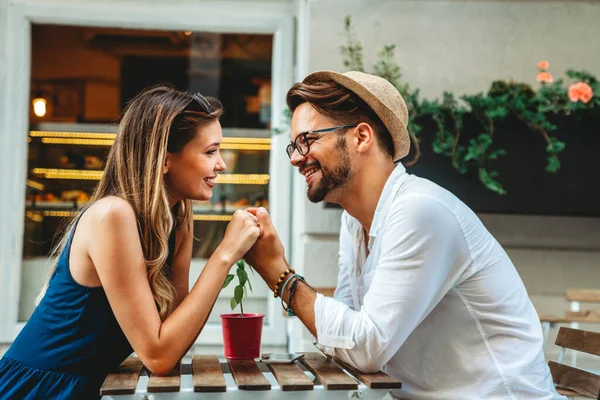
(422, 256)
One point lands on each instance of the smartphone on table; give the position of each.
(280, 358)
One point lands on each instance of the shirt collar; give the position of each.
(384, 203)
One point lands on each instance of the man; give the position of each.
(424, 291)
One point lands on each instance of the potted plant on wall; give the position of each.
(242, 331)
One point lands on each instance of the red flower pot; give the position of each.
(242, 335)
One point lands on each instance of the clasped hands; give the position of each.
(266, 256)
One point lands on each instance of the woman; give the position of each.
(120, 283)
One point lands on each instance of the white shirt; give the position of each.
(437, 303)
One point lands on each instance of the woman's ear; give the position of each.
(365, 137)
(167, 163)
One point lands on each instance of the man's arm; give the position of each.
(305, 297)
(268, 259)
(423, 253)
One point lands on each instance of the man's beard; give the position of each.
(332, 179)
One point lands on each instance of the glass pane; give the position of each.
(81, 78)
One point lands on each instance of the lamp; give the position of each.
(39, 106)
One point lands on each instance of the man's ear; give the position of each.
(365, 137)
(167, 163)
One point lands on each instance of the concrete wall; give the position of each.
(462, 46)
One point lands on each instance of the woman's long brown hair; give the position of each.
(158, 120)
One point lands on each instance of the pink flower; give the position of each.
(543, 65)
(544, 77)
(580, 91)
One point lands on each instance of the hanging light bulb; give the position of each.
(39, 106)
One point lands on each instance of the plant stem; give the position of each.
(242, 308)
(541, 130)
(456, 138)
(417, 147)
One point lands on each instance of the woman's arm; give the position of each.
(118, 258)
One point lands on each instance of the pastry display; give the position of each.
(54, 195)
(78, 196)
(93, 162)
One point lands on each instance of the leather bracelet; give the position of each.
(288, 306)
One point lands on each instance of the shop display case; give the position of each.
(66, 161)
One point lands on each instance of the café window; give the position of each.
(81, 79)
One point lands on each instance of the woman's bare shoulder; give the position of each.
(112, 210)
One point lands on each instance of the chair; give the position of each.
(577, 296)
(575, 315)
(571, 381)
(548, 322)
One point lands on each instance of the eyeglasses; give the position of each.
(302, 143)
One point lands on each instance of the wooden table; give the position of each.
(314, 377)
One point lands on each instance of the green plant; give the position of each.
(535, 109)
(240, 290)
(387, 68)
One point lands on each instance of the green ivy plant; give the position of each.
(533, 108)
(240, 291)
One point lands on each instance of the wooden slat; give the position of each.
(291, 377)
(551, 318)
(582, 382)
(207, 374)
(583, 316)
(378, 380)
(579, 340)
(247, 375)
(124, 380)
(167, 383)
(329, 373)
(583, 295)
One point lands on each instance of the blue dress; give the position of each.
(70, 343)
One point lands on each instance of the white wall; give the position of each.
(462, 46)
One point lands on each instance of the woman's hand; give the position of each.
(241, 234)
(267, 256)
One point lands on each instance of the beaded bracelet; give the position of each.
(285, 285)
(288, 306)
(280, 280)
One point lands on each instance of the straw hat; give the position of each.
(383, 98)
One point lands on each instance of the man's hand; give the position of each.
(267, 255)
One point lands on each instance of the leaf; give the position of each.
(496, 153)
(553, 164)
(242, 276)
(233, 303)
(228, 280)
(238, 294)
(249, 284)
(240, 264)
(557, 146)
(486, 178)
